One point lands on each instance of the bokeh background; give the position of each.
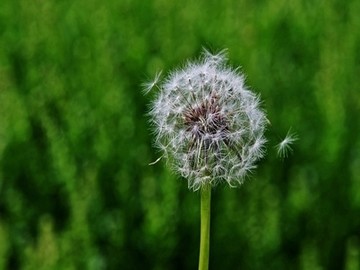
(76, 191)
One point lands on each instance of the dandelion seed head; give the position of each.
(207, 122)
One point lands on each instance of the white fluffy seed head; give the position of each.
(208, 123)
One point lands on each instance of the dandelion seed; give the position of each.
(284, 147)
(207, 122)
(156, 161)
(150, 85)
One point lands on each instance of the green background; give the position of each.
(76, 191)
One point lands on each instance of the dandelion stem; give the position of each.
(205, 202)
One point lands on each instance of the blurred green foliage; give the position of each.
(75, 188)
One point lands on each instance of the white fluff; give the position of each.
(207, 122)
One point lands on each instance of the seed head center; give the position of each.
(205, 118)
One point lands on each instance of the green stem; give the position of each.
(205, 203)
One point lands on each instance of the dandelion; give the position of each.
(208, 123)
(210, 127)
(284, 147)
